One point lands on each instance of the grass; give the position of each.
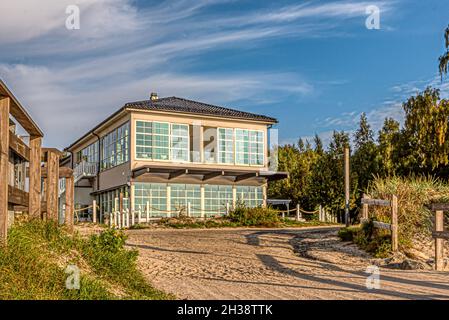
(414, 194)
(33, 265)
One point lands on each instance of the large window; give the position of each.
(250, 196)
(115, 147)
(152, 194)
(225, 145)
(162, 141)
(182, 194)
(249, 146)
(89, 154)
(215, 199)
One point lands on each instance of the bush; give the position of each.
(414, 193)
(258, 216)
(349, 233)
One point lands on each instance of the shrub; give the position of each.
(414, 193)
(349, 233)
(258, 216)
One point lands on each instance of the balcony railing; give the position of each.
(82, 170)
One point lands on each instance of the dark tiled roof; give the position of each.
(175, 104)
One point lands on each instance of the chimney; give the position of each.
(153, 96)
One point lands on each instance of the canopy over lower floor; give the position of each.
(205, 174)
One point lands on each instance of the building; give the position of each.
(169, 155)
(20, 161)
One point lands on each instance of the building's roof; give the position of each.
(181, 105)
(175, 104)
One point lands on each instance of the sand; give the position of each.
(256, 264)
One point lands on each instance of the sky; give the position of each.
(313, 65)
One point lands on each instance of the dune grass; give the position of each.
(33, 265)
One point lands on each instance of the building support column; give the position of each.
(264, 195)
(202, 201)
(52, 185)
(35, 190)
(4, 168)
(69, 202)
(131, 203)
(168, 201)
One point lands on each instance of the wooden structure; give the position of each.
(393, 226)
(11, 197)
(439, 234)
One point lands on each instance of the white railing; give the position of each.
(85, 169)
(81, 170)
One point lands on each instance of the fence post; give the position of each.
(439, 223)
(365, 209)
(138, 216)
(94, 211)
(148, 212)
(394, 223)
(188, 209)
(298, 213)
(227, 208)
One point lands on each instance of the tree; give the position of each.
(365, 162)
(388, 140)
(426, 134)
(444, 59)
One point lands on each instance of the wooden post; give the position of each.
(394, 223)
(69, 202)
(227, 208)
(365, 209)
(347, 186)
(94, 211)
(439, 223)
(35, 189)
(4, 164)
(52, 185)
(188, 209)
(298, 213)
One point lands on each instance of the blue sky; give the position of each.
(311, 64)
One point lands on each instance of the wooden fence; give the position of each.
(393, 226)
(439, 234)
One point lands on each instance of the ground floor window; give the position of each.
(182, 194)
(216, 198)
(153, 196)
(109, 200)
(162, 199)
(250, 196)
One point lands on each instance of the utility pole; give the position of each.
(347, 186)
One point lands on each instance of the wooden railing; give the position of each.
(393, 226)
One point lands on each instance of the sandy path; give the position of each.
(271, 264)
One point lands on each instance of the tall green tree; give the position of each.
(426, 134)
(444, 58)
(388, 143)
(365, 161)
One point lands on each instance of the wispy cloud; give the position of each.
(122, 51)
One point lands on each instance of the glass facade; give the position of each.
(225, 145)
(162, 141)
(88, 154)
(249, 145)
(108, 200)
(153, 194)
(115, 147)
(250, 196)
(182, 194)
(215, 199)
